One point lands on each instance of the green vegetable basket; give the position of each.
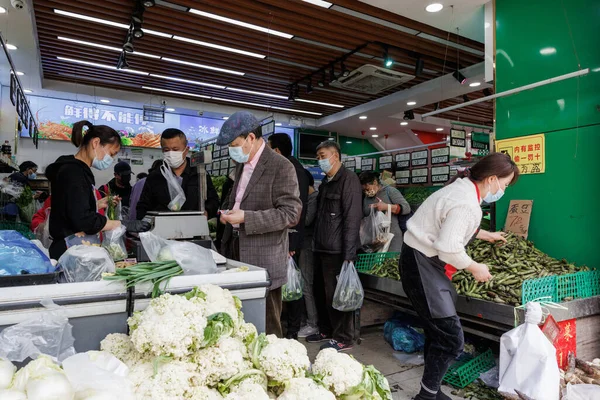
(20, 227)
(365, 262)
(579, 285)
(462, 374)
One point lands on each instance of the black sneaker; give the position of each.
(317, 337)
(334, 344)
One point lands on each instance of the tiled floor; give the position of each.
(404, 379)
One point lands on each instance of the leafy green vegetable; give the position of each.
(195, 292)
(156, 273)
(218, 325)
(256, 347)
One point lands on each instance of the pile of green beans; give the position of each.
(387, 269)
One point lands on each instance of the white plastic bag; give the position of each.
(42, 232)
(85, 263)
(98, 373)
(528, 360)
(349, 294)
(175, 190)
(582, 392)
(193, 259)
(49, 333)
(114, 242)
(292, 290)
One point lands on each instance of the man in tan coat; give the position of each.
(263, 204)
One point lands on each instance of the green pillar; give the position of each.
(537, 40)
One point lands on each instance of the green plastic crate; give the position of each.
(20, 227)
(462, 374)
(594, 283)
(579, 285)
(533, 289)
(365, 262)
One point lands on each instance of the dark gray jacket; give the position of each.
(339, 212)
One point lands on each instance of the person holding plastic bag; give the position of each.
(437, 235)
(378, 197)
(174, 186)
(73, 204)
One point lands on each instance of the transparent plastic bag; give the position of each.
(81, 239)
(85, 263)
(18, 255)
(98, 373)
(175, 190)
(372, 227)
(48, 333)
(114, 243)
(292, 290)
(193, 259)
(349, 293)
(491, 378)
(42, 232)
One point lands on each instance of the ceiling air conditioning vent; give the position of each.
(371, 79)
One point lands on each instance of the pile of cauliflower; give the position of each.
(197, 346)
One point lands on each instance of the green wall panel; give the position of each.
(565, 216)
(357, 147)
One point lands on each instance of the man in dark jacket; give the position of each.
(120, 185)
(155, 195)
(281, 143)
(336, 239)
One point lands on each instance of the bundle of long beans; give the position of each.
(153, 272)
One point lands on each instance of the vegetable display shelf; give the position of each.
(96, 309)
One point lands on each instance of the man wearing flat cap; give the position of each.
(263, 204)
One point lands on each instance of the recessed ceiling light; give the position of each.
(276, 96)
(104, 101)
(225, 118)
(170, 110)
(240, 23)
(320, 3)
(411, 103)
(2, 10)
(294, 110)
(219, 47)
(27, 91)
(439, 129)
(203, 66)
(373, 128)
(176, 92)
(318, 102)
(474, 84)
(278, 124)
(348, 142)
(434, 7)
(403, 123)
(374, 135)
(11, 46)
(171, 78)
(416, 134)
(362, 117)
(546, 51)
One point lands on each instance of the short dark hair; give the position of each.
(283, 142)
(330, 144)
(155, 165)
(141, 175)
(368, 177)
(172, 133)
(27, 165)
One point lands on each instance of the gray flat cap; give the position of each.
(238, 124)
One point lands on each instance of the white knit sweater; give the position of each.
(445, 222)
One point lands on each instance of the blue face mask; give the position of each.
(237, 153)
(491, 198)
(325, 165)
(103, 164)
(32, 176)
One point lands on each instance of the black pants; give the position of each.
(332, 322)
(444, 339)
(295, 309)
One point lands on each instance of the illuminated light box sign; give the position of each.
(385, 162)
(420, 175)
(419, 158)
(402, 177)
(440, 174)
(440, 156)
(403, 160)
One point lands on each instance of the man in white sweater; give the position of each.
(435, 241)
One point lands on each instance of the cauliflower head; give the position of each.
(218, 300)
(170, 326)
(338, 371)
(246, 333)
(305, 388)
(221, 362)
(120, 346)
(248, 390)
(174, 380)
(204, 393)
(280, 359)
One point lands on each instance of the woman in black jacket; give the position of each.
(74, 207)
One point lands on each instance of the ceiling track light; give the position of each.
(122, 63)
(332, 77)
(436, 106)
(459, 77)
(345, 72)
(291, 93)
(409, 115)
(309, 87)
(136, 28)
(419, 66)
(138, 13)
(296, 91)
(487, 92)
(321, 83)
(465, 98)
(149, 3)
(387, 60)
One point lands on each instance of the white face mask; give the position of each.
(174, 159)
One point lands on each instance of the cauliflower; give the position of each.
(174, 380)
(170, 326)
(120, 346)
(305, 388)
(248, 391)
(280, 359)
(247, 333)
(217, 299)
(221, 362)
(204, 393)
(338, 371)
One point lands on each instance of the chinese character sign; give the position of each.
(518, 217)
(528, 152)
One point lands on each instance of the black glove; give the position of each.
(136, 226)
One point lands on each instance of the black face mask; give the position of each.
(125, 179)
